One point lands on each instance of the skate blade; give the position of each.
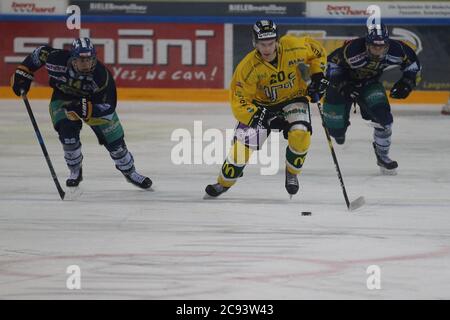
(358, 203)
(388, 172)
(208, 197)
(73, 193)
(140, 188)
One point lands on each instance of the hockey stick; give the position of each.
(360, 201)
(44, 149)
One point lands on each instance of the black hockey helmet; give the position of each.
(264, 30)
(377, 34)
(83, 48)
(377, 41)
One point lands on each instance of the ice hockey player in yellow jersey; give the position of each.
(268, 92)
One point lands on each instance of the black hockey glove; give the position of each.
(261, 119)
(402, 88)
(317, 87)
(21, 80)
(79, 109)
(350, 91)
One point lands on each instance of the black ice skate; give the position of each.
(137, 179)
(214, 190)
(75, 177)
(387, 166)
(340, 140)
(291, 183)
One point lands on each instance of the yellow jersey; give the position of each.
(256, 80)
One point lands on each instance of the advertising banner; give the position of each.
(389, 9)
(34, 7)
(431, 44)
(138, 54)
(284, 9)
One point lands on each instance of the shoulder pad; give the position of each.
(355, 53)
(248, 65)
(57, 61)
(58, 56)
(288, 42)
(395, 53)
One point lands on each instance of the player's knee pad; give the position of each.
(117, 144)
(379, 113)
(297, 149)
(68, 131)
(299, 139)
(122, 158)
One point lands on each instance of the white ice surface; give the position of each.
(252, 243)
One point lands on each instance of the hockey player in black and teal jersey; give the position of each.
(83, 91)
(354, 71)
(268, 92)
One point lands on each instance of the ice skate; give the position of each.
(340, 140)
(291, 183)
(75, 177)
(387, 165)
(214, 190)
(137, 179)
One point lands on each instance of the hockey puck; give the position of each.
(306, 213)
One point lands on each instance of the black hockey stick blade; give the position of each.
(356, 204)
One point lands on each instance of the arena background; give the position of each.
(156, 48)
(253, 242)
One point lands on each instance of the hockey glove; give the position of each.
(402, 88)
(21, 80)
(350, 91)
(317, 87)
(261, 119)
(79, 109)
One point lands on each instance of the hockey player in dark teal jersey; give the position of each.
(354, 72)
(83, 91)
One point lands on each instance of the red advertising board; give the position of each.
(137, 54)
